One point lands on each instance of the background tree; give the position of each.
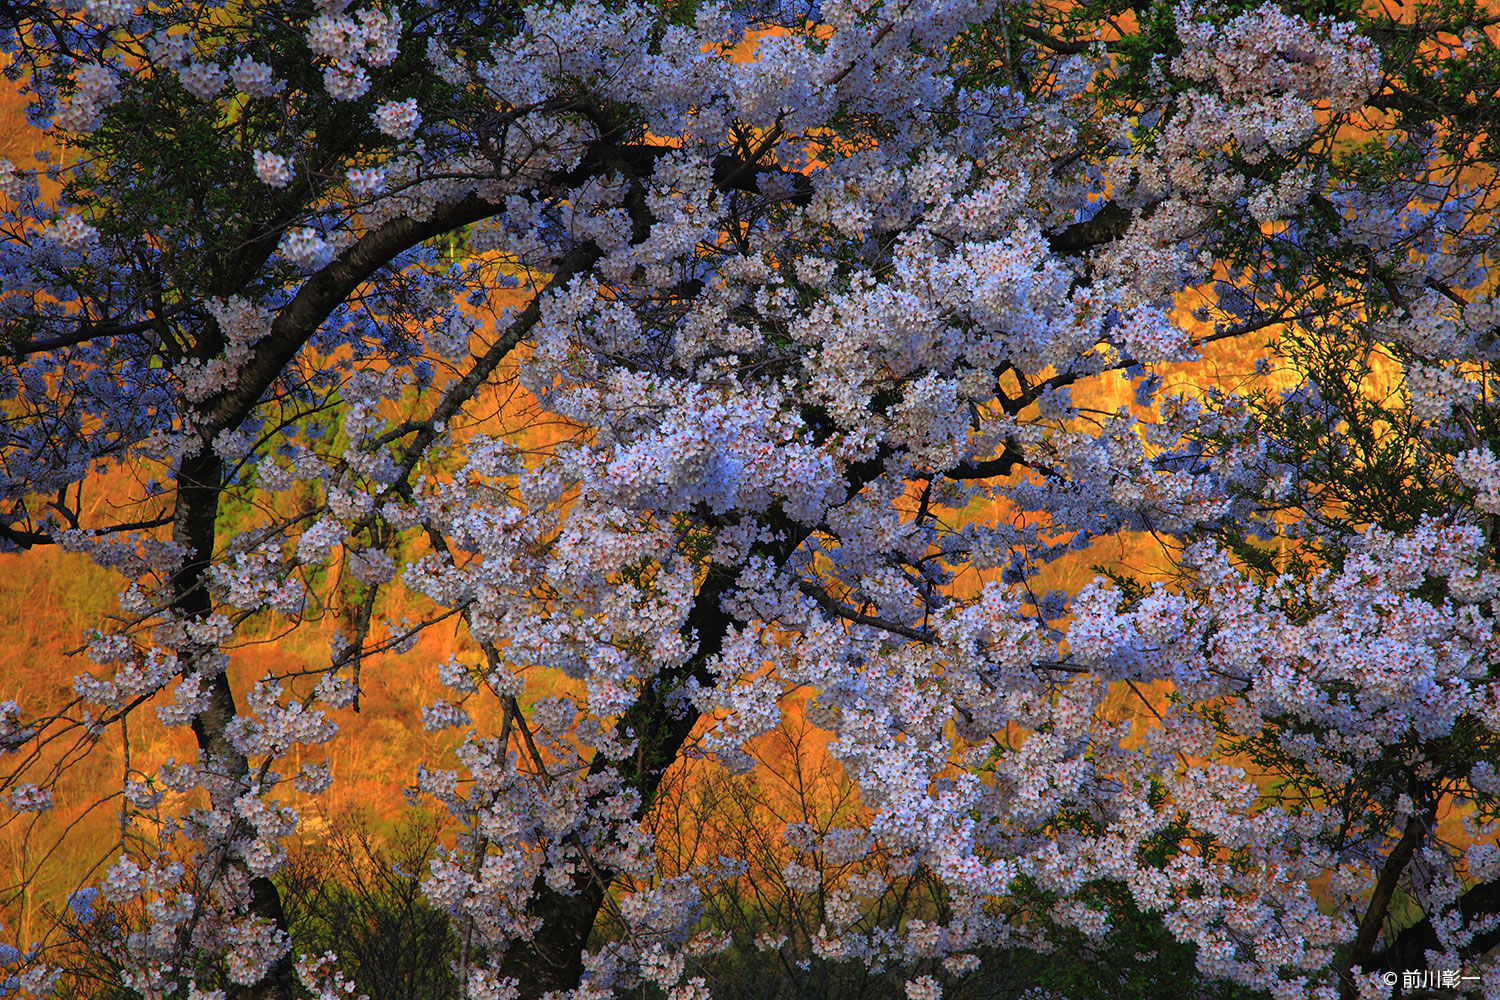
(1380, 244)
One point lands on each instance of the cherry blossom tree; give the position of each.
(806, 285)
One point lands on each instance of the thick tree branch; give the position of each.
(92, 331)
(575, 263)
(1380, 901)
(1408, 950)
(1058, 45)
(838, 609)
(1107, 225)
(1001, 465)
(324, 292)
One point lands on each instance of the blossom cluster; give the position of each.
(794, 318)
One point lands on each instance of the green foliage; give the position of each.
(1138, 958)
(359, 895)
(356, 893)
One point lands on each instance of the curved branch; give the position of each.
(27, 539)
(1408, 950)
(838, 609)
(316, 300)
(1380, 900)
(575, 263)
(84, 334)
(1107, 225)
(1002, 465)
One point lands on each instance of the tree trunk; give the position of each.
(200, 481)
(554, 959)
